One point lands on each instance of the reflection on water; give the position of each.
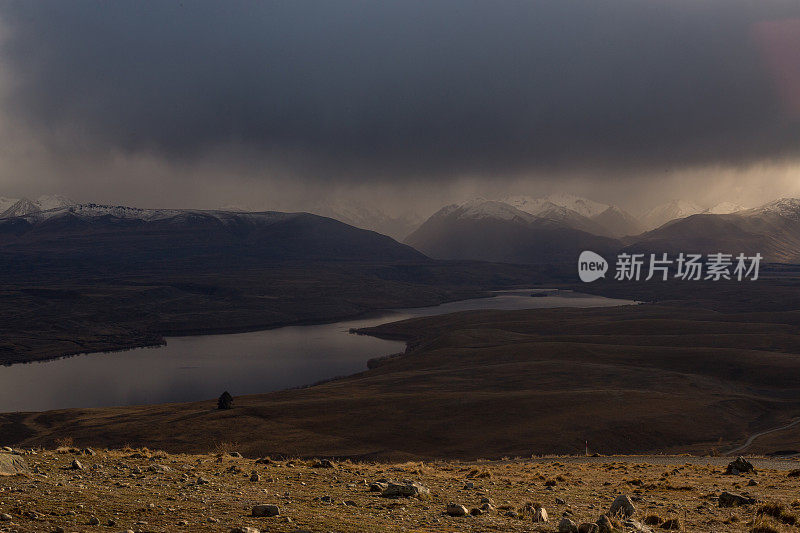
(201, 367)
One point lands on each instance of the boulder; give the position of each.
(454, 509)
(567, 526)
(729, 499)
(407, 489)
(11, 465)
(740, 466)
(265, 510)
(622, 506)
(540, 514)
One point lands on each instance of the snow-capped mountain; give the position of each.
(367, 216)
(724, 208)
(22, 206)
(788, 208)
(90, 212)
(5, 203)
(580, 213)
(122, 235)
(660, 215)
(773, 230)
(582, 206)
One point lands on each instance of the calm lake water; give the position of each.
(201, 367)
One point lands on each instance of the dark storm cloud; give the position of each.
(406, 87)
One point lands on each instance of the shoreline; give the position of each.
(162, 335)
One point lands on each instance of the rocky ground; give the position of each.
(138, 490)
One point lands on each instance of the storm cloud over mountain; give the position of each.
(360, 91)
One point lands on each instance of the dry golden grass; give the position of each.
(127, 487)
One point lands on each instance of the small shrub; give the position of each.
(777, 511)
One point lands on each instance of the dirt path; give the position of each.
(753, 437)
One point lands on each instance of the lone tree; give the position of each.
(225, 401)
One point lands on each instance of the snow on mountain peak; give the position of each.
(724, 208)
(483, 208)
(785, 207)
(53, 201)
(582, 206)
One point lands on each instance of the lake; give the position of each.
(203, 366)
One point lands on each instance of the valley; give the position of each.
(536, 381)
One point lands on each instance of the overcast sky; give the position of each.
(276, 104)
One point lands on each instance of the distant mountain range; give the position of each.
(513, 229)
(538, 230)
(16, 207)
(120, 234)
(772, 230)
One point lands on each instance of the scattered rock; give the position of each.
(622, 506)
(407, 489)
(202, 481)
(324, 463)
(588, 527)
(5, 517)
(11, 465)
(76, 465)
(161, 469)
(729, 499)
(539, 514)
(469, 485)
(454, 509)
(476, 511)
(94, 521)
(254, 477)
(559, 501)
(237, 455)
(244, 530)
(567, 526)
(740, 466)
(265, 510)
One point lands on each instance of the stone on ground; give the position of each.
(622, 506)
(265, 510)
(740, 466)
(11, 465)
